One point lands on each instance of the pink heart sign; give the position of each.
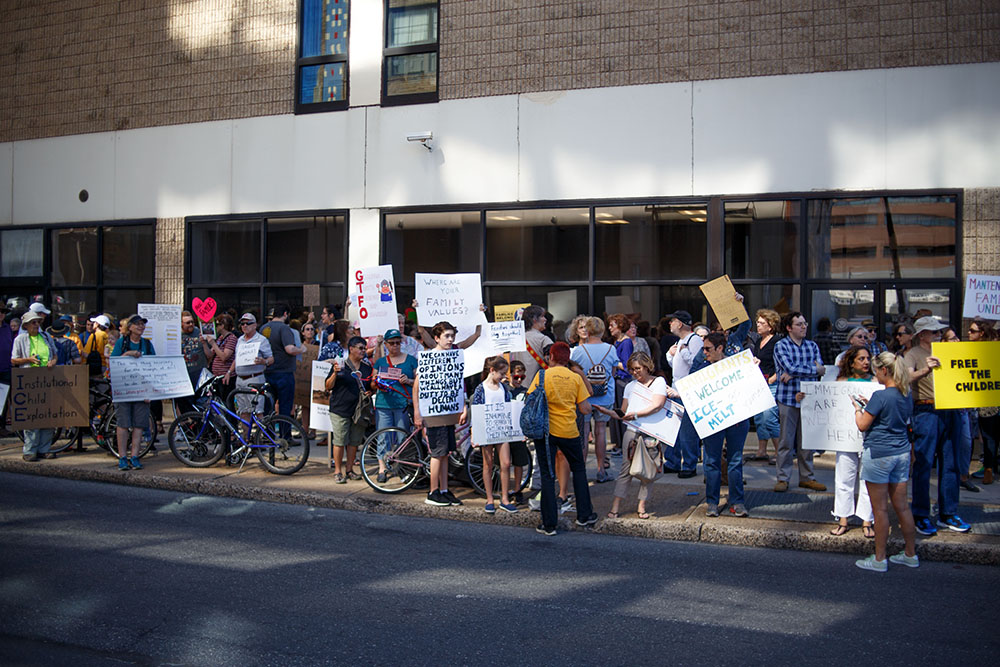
(205, 310)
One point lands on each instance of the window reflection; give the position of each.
(307, 249)
(225, 251)
(656, 241)
(537, 244)
(432, 243)
(124, 256)
(74, 256)
(762, 239)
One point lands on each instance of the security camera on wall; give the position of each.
(423, 137)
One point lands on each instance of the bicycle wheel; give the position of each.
(474, 470)
(281, 454)
(64, 439)
(147, 444)
(402, 459)
(196, 439)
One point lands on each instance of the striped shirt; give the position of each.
(799, 361)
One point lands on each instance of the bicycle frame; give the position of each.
(217, 408)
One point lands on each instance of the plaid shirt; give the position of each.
(799, 361)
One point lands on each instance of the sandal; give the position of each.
(839, 530)
(643, 515)
(869, 531)
(757, 457)
(612, 515)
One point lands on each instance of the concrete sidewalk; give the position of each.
(798, 519)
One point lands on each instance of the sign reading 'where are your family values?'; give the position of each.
(450, 297)
(439, 383)
(725, 393)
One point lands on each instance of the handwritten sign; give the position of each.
(303, 374)
(969, 376)
(310, 295)
(828, 415)
(376, 300)
(982, 297)
(319, 399)
(205, 310)
(246, 354)
(440, 374)
(720, 295)
(506, 337)
(451, 297)
(725, 393)
(663, 424)
(509, 312)
(149, 378)
(495, 423)
(163, 329)
(49, 397)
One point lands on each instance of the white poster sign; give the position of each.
(163, 328)
(319, 397)
(982, 297)
(375, 300)
(830, 373)
(562, 305)
(246, 354)
(828, 415)
(476, 354)
(725, 393)
(506, 337)
(440, 374)
(451, 297)
(4, 390)
(664, 424)
(494, 423)
(149, 378)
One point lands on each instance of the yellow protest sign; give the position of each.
(969, 376)
(509, 313)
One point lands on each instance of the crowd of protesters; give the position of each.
(589, 373)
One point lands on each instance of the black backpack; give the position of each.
(94, 361)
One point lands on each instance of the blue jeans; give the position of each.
(935, 432)
(688, 444)
(768, 425)
(38, 440)
(385, 417)
(572, 450)
(735, 437)
(284, 393)
(963, 448)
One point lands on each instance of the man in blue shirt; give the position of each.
(795, 359)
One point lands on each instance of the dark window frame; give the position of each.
(303, 62)
(387, 53)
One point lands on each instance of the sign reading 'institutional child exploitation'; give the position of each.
(828, 415)
(982, 297)
(725, 393)
(48, 397)
(494, 423)
(969, 376)
(439, 383)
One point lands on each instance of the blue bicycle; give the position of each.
(200, 438)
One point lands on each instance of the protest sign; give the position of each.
(562, 305)
(4, 390)
(303, 374)
(830, 373)
(246, 354)
(310, 295)
(150, 378)
(376, 300)
(618, 304)
(49, 397)
(319, 397)
(205, 310)
(509, 312)
(982, 297)
(725, 393)
(720, 295)
(828, 415)
(506, 337)
(494, 423)
(451, 297)
(441, 395)
(969, 376)
(663, 424)
(163, 328)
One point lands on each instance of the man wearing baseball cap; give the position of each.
(935, 432)
(680, 356)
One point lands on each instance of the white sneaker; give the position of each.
(902, 559)
(871, 564)
(534, 504)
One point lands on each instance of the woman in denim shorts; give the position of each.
(885, 462)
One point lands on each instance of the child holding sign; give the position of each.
(492, 391)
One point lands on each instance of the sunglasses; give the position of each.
(246, 324)
(971, 330)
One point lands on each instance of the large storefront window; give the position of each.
(538, 244)
(253, 264)
(21, 253)
(762, 239)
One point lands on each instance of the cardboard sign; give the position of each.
(310, 295)
(163, 328)
(721, 296)
(509, 312)
(440, 376)
(205, 310)
(149, 378)
(451, 297)
(725, 393)
(49, 397)
(969, 376)
(663, 424)
(303, 375)
(982, 297)
(828, 415)
(319, 397)
(495, 423)
(246, 354)
(506, 337)
(376, 300)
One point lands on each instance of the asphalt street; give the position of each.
(95, 574)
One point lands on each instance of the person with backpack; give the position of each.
(491, 390)
(93, 349)
(564, 392)
(598, 360)
(133, 416)
(67, 353)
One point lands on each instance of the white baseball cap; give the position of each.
(39, 307)
(102, 320)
